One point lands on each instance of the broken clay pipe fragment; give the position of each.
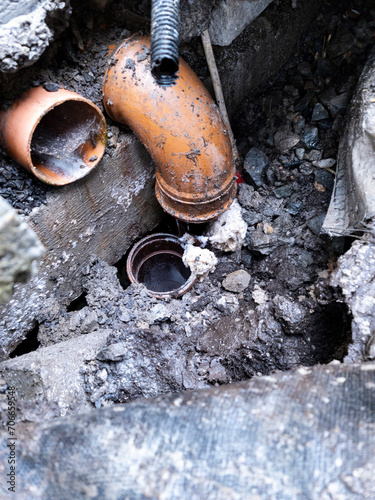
(181, 128)
(58, 136)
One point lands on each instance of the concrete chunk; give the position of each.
(52, 376)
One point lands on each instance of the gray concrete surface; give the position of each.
(352, 204)
(355, 275)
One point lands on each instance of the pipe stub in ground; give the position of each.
(58, 136)
(156, 262)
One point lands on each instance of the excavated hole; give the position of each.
(288, 315)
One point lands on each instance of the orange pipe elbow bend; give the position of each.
(181, 128)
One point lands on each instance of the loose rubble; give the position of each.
(201, 261)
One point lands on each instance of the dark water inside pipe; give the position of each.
(163, 273)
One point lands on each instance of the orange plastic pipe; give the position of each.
(181, 128)
(39, 128)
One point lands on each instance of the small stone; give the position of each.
(285, 140)
(267, 228)
(310, 136)
(283, 192)
(326, 163)
(304, 104)
(324, 178)
(319, 113)
(114, 352)
(160, 313)
(259, 295)
(294, 206)
(338, 103)
(314, 155)
(248, 197)
(319, 187)
(335, 103)
(315, 224)
(51, 87)
(300, 153)
(217, 373)
(255, 165)
(125, 316)
(306, 168)
(298, 124)
(290, 314)
(237, 282)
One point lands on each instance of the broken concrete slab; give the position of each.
(26, 30)
(289, 435)
(230, 17)
(51, 377)
(99, 216)
(19, 248)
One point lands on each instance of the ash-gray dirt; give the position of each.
(287, 315)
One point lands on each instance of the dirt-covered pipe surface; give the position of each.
(181, 128)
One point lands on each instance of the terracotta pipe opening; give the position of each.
(67, 141)
(156, 262)
(58, 136)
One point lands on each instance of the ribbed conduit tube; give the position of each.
(165, 19)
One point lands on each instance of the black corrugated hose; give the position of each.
(165, 19)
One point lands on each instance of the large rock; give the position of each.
(27, 28)
(230, 18)
(51, 378)
(99, 216)
(19, 247)
(307, 434)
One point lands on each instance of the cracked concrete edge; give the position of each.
(19, 248)
(52, 374)
(24, 38)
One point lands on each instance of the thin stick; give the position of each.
(207, 47)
